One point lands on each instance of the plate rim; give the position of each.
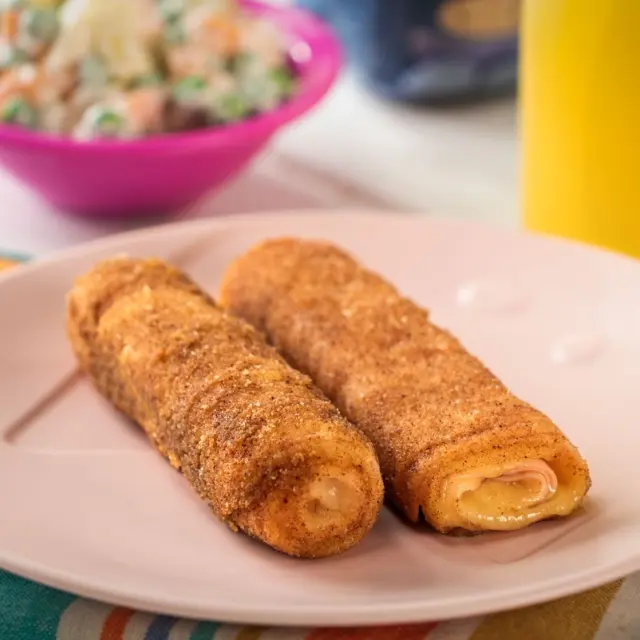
(335, 616)
(230, 220)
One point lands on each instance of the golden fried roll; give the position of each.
(255, 439)
(453, 442)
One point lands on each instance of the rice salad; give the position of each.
(122, 69)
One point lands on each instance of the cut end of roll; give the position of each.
(329, 500)
(320, 517)
(510, 497)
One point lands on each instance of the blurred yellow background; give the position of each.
(580, 127)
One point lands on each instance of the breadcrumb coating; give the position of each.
(255, 439)
(432, 410)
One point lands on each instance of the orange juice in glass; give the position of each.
(580, 120)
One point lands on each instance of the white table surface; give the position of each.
(353, 150)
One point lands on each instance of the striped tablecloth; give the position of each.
(29, 611)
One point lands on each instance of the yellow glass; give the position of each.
(580, 120)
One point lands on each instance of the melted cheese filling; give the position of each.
(331, 499)
(507, 498)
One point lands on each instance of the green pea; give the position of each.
(189, 89)
(283, 79)
(39, 24)
(19, 111)
(174, 33)
(171, 10)
(193, 83)
(231, 107)
(108, 123)
(148, 80)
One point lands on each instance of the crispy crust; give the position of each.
(250, 434)
(430, 408)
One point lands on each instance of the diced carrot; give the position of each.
(34, 83)
(145, 108)
(9, 25)
(224, 33)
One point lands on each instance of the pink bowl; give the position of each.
(163, 174)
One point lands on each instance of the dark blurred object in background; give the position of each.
(428, 50)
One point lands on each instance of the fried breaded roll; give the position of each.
(453, 442)
(254, 438)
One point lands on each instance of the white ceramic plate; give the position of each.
(88, 506)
